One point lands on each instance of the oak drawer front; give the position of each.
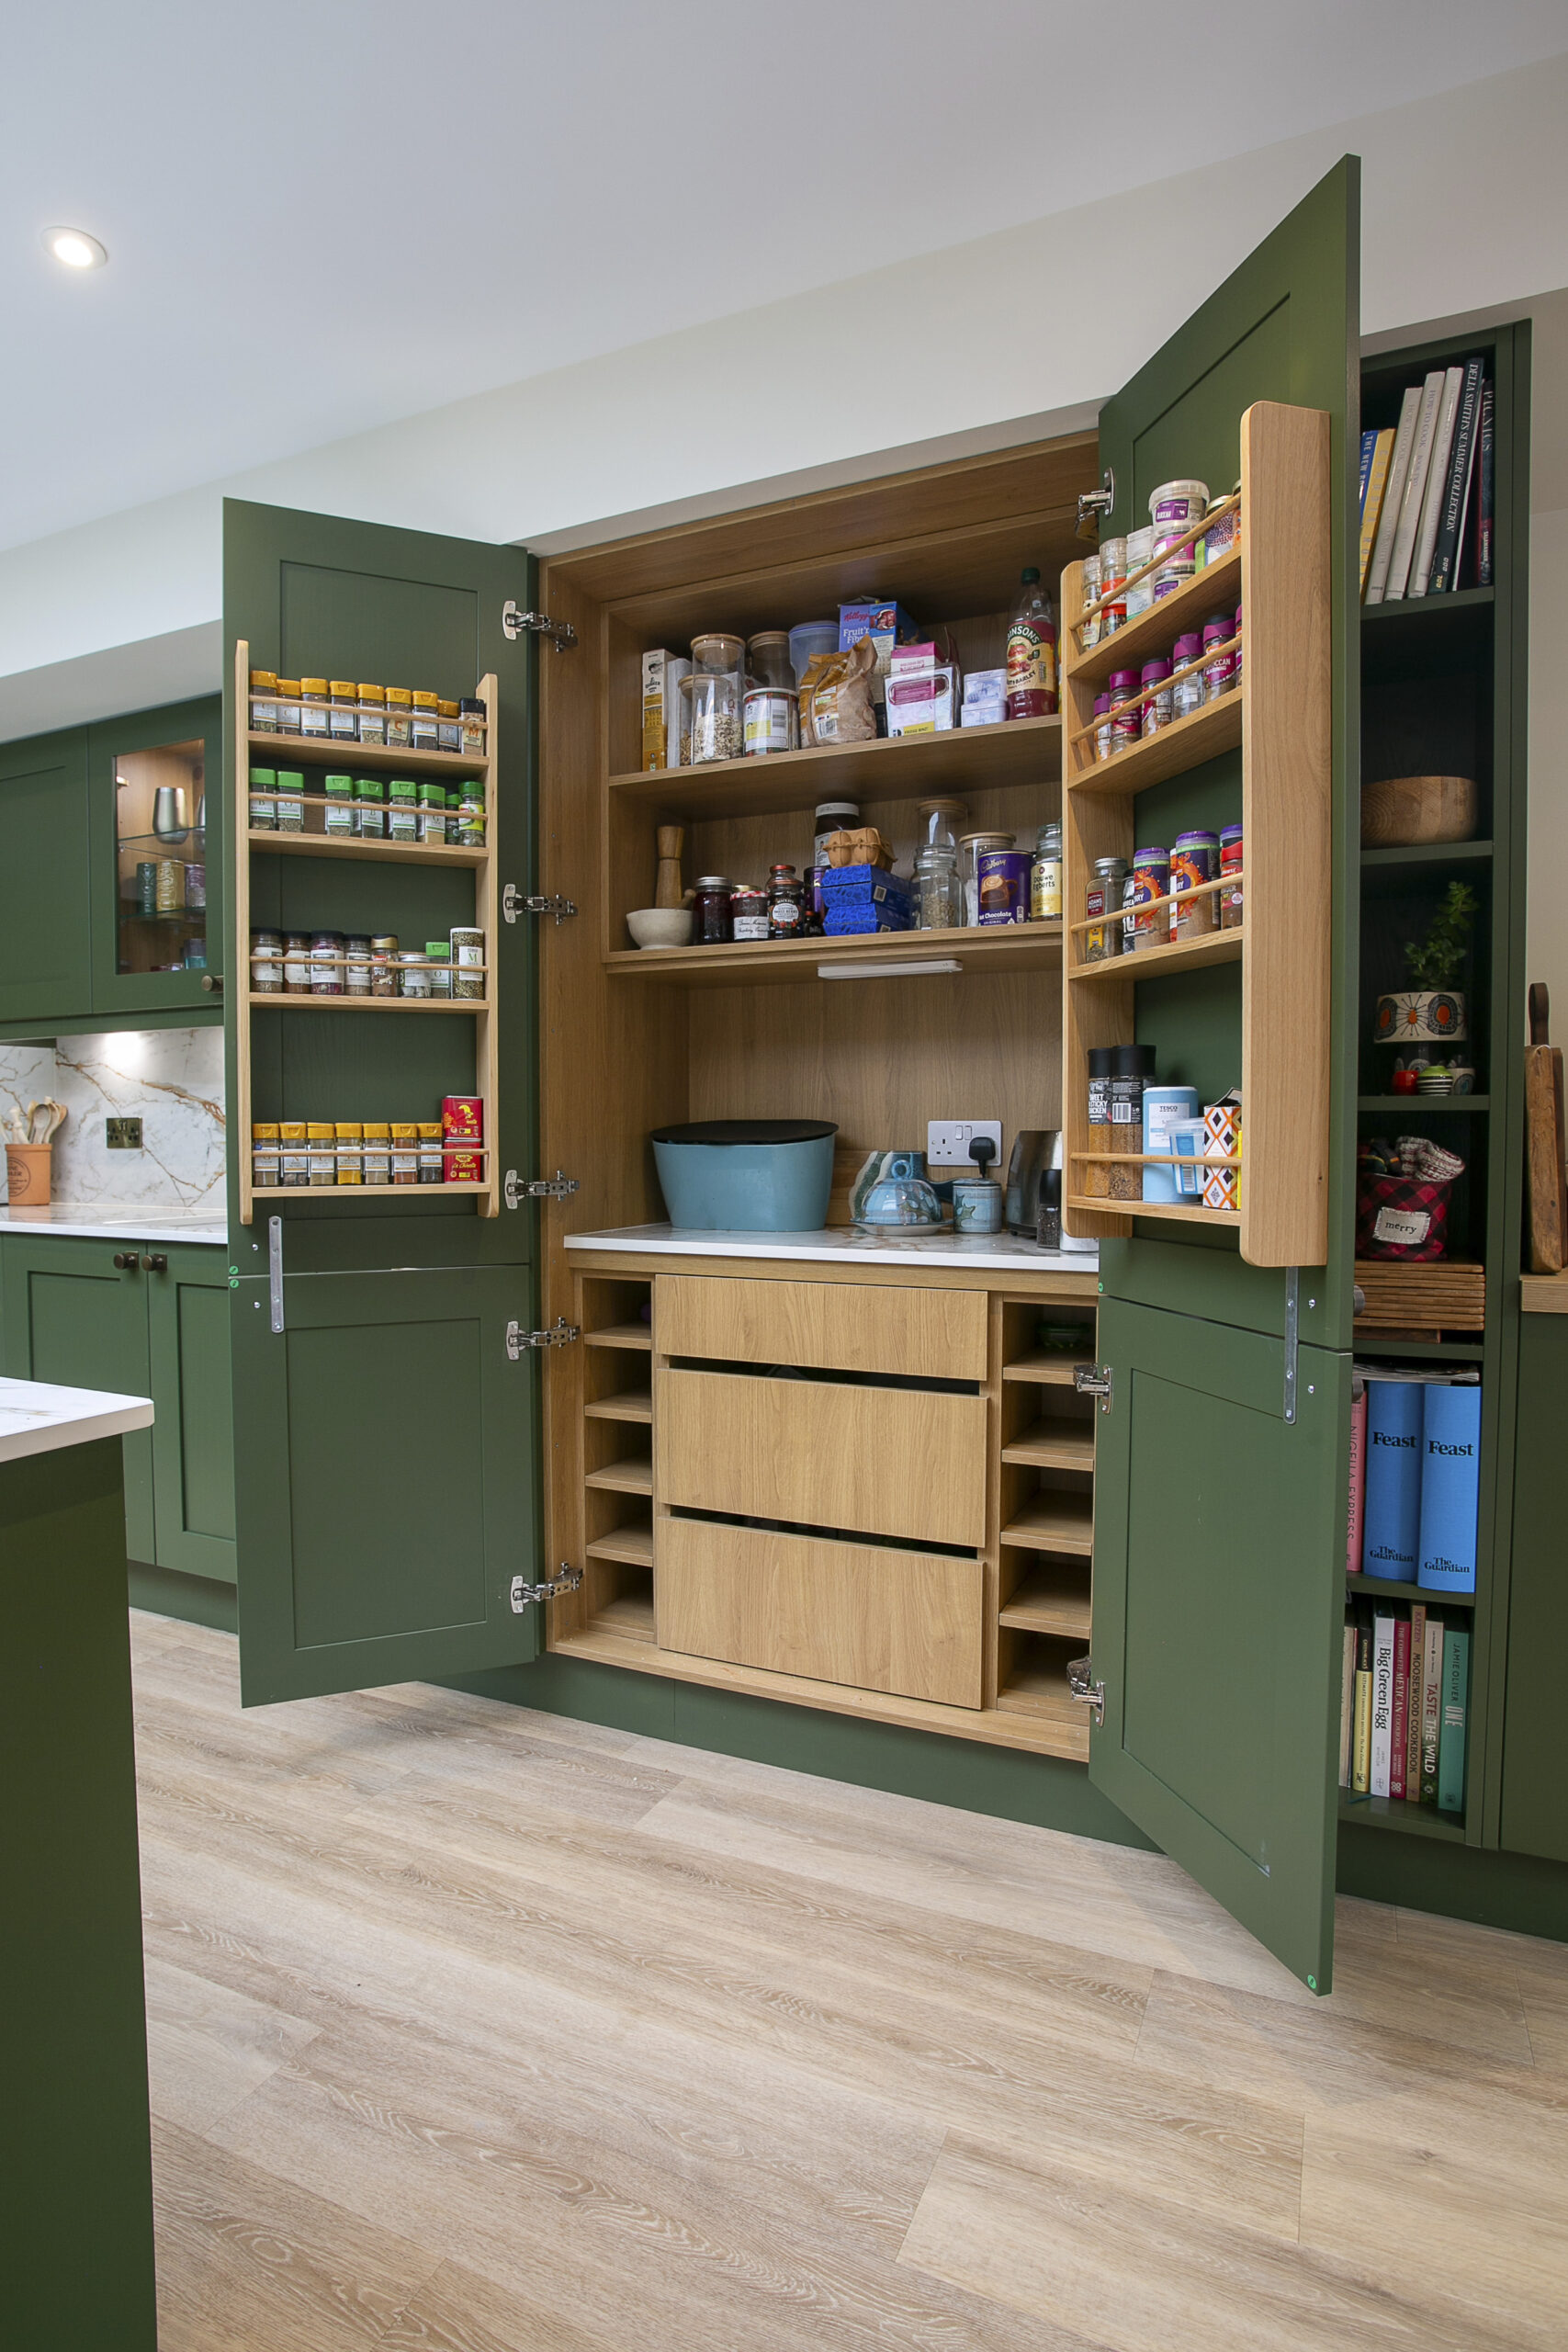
(835, 1327)
(883, 1461)
(903, 1621)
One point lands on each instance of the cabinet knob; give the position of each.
(125, 1261)
(154, 1264)
(213, 983)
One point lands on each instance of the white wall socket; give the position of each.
(948, 1141)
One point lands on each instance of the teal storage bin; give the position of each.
(747, 1175)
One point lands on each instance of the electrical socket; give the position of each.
(123, 1134)
(948, 1141)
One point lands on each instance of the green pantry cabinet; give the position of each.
(389, 1503)
(146, 1320)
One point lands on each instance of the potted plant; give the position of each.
(1432, 1011)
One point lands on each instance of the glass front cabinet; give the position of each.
(152, 849)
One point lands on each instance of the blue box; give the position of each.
(885, 623)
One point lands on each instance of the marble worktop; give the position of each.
(839, 1245)
(37, 1418)
(115, 1221)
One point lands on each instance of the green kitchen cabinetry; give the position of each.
(45, 898)
(148, 1320)
(1535, 1816)
(180, 746)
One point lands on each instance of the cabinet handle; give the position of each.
(125, 1261)
(154, 1264)
(213, 983)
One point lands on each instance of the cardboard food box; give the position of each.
(661, 676)
(1222, 1129)
(922, 704)
(885, 623)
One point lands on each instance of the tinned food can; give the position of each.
(1150, 879)
(1002, 877)
(1230, 874)
(1194, 860)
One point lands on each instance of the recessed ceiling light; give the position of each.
(74, 248)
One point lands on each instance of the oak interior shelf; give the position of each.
(1010, 947)
(903, 768)
(1150, 634)
(635, 1404)
(633, 1546)
(1048, 1445)
(271, 844)
(1052, 1598)
(1450, 1106)
(1185, 743)
(271, 1193)
(1055, 1365)
(288, 751)
(268, 1004)
(1190, 1213)
(1174, 956)
(632, 1477)
(1054, 1521)
(1038, 1686)
(620, 1335)
(629, 1612)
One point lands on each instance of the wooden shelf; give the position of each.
(1055, 1365)
(620, 1335)
(1184, 1212)
(634, 1406)
(1009, 947)
(1038, 1686)
(1387, 1589)
(1177, 956)
(1150, 636)
(290, 752)
(631, 1545)
(905, 767)
(267, 1193)
(1454, 1106)
(632, 1476)
(1374, 1342)
(630, 1614)
(1052, 1598)
(367, 1005)
(1395, 1813)
(392, 853)
(1053, 1521)
(1048, 1445)
(1186, 743)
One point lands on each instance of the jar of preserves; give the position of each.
(712, 922)
(448, 737)
(343, 712)
(936, 886)
(413, 973)
(372, 714)
(296, 963)
(349, 1136)
(293, 1160)
(438, 957)
(321, 1152)
(400, 717)
(749, 914)
(267, 964)
(378, 1152)
(314, 722)
(326, 963)
(472, 720)
(404, 1152)
(971, 850)
(429, 1147)
(383, 963)
(264, 1167)
(425, 734)
(1045, 876)
(357, 970)
(786, 903)
(288, 706)
(264, 702)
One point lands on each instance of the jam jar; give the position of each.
(711, 925)
(749, 911)
(786, 903)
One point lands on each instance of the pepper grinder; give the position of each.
(667, 891)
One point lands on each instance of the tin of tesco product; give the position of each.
(1230, 872)
(1194, 860)
(1150, 879)
(771, 722)
(1002, 877)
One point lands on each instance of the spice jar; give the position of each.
(472, 719)
(400, 717)
(326, 963)
(314, 724)
(321, 1152)
(1125, 724)
(383, 963)
(370, 817)
(1102, 902)
(293, 1161)
(431, 1170)
(1089, 633)
(1150, 879)
(343, 712)
(1112, 579)
(264, 800)
(448, 736)
(372, 714)
(1096, 1178)
(263, 1154)
(1102, 738)
(1186, 693)
(1239, 648)
(438, 957)
(264, 702)
(712, 922)
(971, 849)
(433, 814)
(1045, 876)
(712, 717)
(340, 814)
(749, 914)
(356, 969)
(786, 903)
(405, 1152)
(402, 813)
(413, 973)
(468, 949)
(1160, 707)
(349, 1136)
(423, 735)
(1219, 667)
(767, 659)
(378, 1152)
(290, 801)
(1230, 870)
(296, 963)
(288, 706)
(936, 886)
(470, 818)
(267, 964)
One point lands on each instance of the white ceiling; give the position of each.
(323, 217)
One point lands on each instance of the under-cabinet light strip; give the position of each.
(886, 971)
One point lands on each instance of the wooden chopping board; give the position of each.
(1544, 1148)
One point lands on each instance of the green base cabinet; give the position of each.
(1535, 1816)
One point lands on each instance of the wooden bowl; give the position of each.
(1405, 810)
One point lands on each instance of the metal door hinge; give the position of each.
(1081, 1684)
(517, 623)
(567, 1579)
(1094, 1380)
(275, 1269)
(1293, 1329)
(560, 1335)
(513, 904)
(559, 1187)
(1095, 503)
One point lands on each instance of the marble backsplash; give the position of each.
(172, 1080)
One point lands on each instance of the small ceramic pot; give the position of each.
(1420, 1016)
(660, 926)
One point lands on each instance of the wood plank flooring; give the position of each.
(474, 2029)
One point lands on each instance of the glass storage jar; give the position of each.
(712, 923)
(717, 654)
(936, 885)
(767, 659)
(714, 700)
(941, 822)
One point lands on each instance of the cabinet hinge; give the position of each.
(1081, 1684)
(1094, 1380)
(559, 1187)
(1292, 1334)
(567, 1579)
(1094, 503)
(560, 1335)
(517, 623)
(513, 904)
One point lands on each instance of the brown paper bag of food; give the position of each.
(836, 699)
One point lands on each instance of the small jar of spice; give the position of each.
(265, 1155)
(430, 1170)
(378, 1152)
(321, 1152)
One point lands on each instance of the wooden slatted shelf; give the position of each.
(1053, 1521)
(1150, 634)
(636, 1404)
(904, 767)
(368, 1004)
(393, 853)
(1174, 956)
(1055, 1366)
(1052, 1598)
(270, 1192)
(1053, 1445)
(1183, 1212)
(1037, 1686)
(1184, 744)
(1011, 947)
(629, 1612)
(620, 1335)
(632, 1477)
(633, 1545)
(288, 751)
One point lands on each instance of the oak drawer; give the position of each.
(903, 1621)
(835, 1327)
(883, 1461)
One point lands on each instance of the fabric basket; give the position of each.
(1402, 1217)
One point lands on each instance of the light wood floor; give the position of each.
(479, 2030)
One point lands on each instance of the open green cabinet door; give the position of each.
(386, 1396)
(1222, 1445)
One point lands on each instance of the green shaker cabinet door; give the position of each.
(44, 958)
(386, 1479)
(72, 1316)
(1219, 1523)
(1535, 1819)
(192, 1437)
(1218, 1557)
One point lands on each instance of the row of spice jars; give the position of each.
(341, 710)
(366, 807)
(293, 1153)
(336, 963)
(1169, 543)
(1184, 876)
(1137, 704)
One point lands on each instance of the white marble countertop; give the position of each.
(37, 1418)
(988, 1253)
(108, 1221)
